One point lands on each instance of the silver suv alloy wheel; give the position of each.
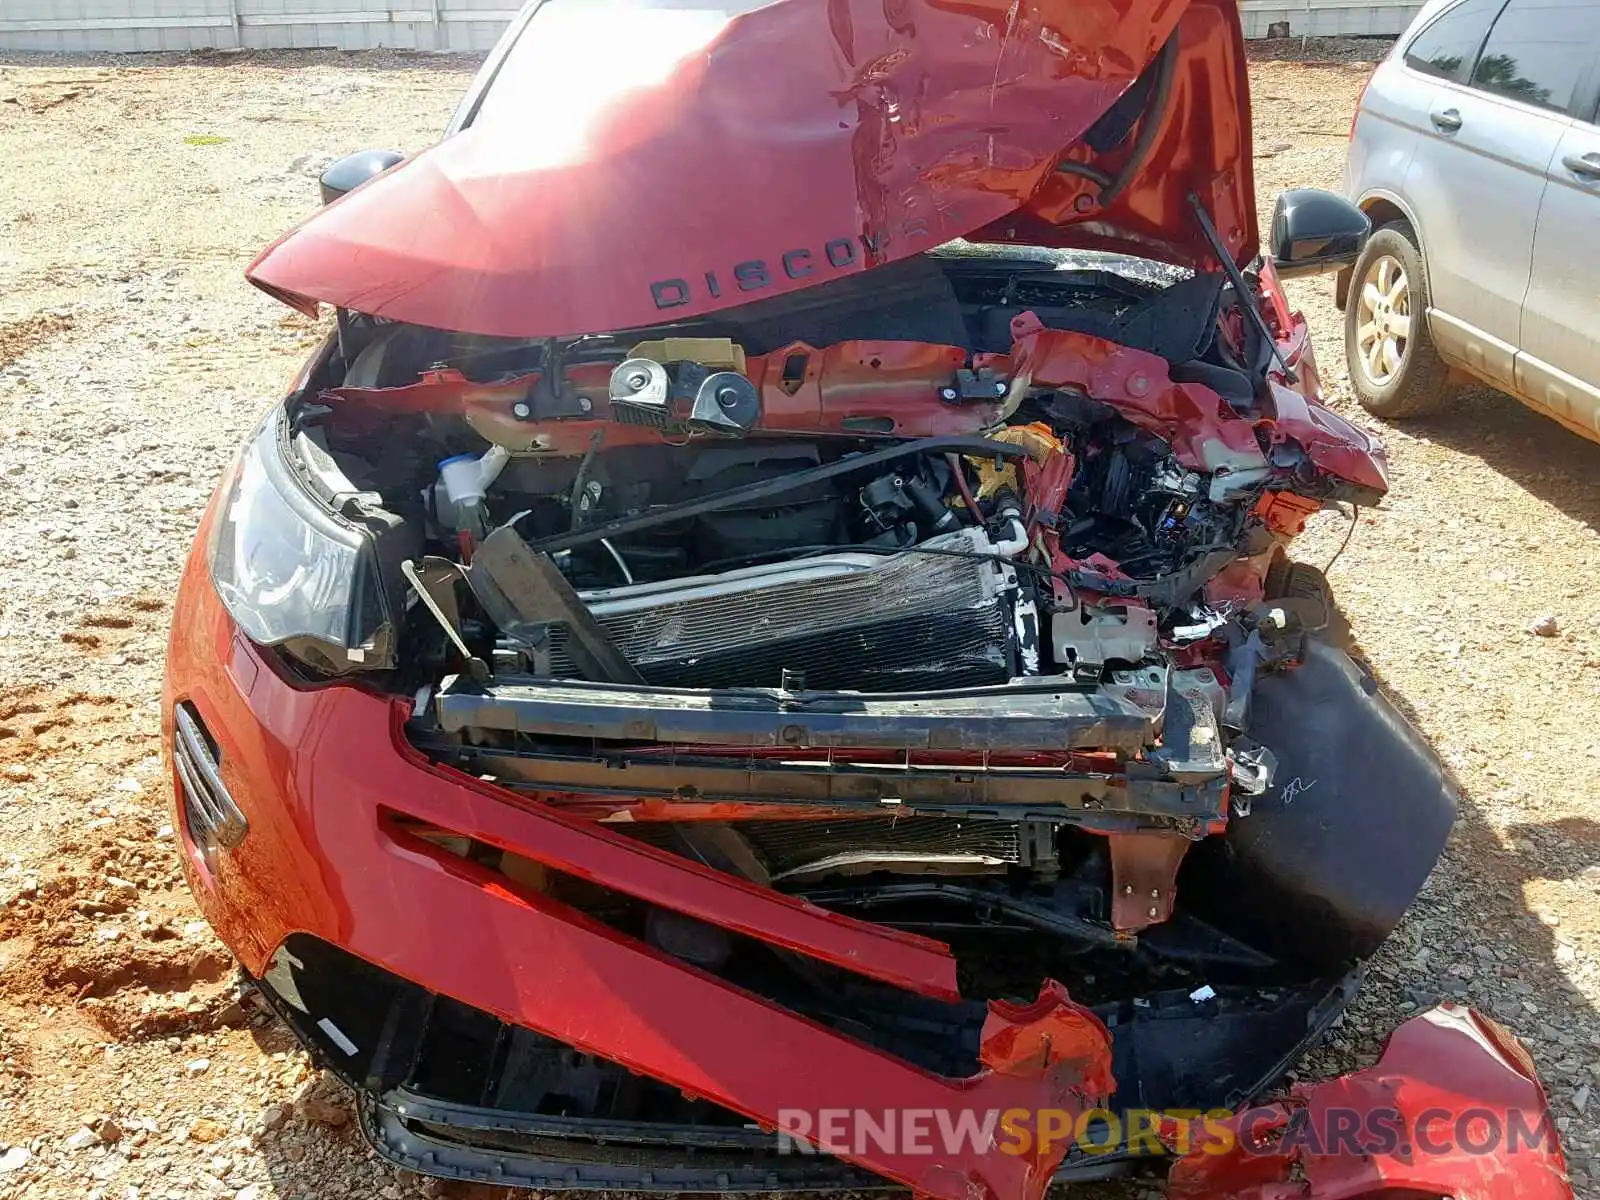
(1385, 312)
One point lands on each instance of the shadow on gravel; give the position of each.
(1544, 458)
(1478, 892)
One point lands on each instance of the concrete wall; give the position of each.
(1327, 18)
(144, 25)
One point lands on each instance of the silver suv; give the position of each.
(1476, 153)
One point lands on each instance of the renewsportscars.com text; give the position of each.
(1375, 1131)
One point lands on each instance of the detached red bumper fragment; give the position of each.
(1452, 1108)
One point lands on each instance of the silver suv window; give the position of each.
(1538, 51)
(1449, 45)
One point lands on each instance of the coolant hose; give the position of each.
(1018, 541)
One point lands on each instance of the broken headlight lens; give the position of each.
(290, 572)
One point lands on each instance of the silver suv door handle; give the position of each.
(1585, 166)
(1446, 120)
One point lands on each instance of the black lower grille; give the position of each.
(213, 819)
(453, 1091)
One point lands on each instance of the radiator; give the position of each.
(851, 620)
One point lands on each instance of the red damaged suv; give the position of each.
(761, 654)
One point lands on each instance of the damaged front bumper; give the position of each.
(451, 1090)
(497, 1034)
(327, 785)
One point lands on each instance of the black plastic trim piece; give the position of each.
(1045, 793)
(519, 588)
(1016, 717)
(421, 1144)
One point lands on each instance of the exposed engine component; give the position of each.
(907, 505)
(527, 597)
(464, 482)
(1133, 503)
(1093, 635)
(645, 392)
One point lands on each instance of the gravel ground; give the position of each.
(133, 358)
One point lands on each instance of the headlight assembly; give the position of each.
(292, 572)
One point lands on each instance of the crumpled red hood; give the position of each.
(642, 160)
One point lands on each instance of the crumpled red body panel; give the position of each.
(1193, 419)
(1053, 1035)
(1331, 442)
(1452, 1108)
(632, 167)
(1205, 433)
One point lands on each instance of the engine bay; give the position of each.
(969, 568)
(1137, 451)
